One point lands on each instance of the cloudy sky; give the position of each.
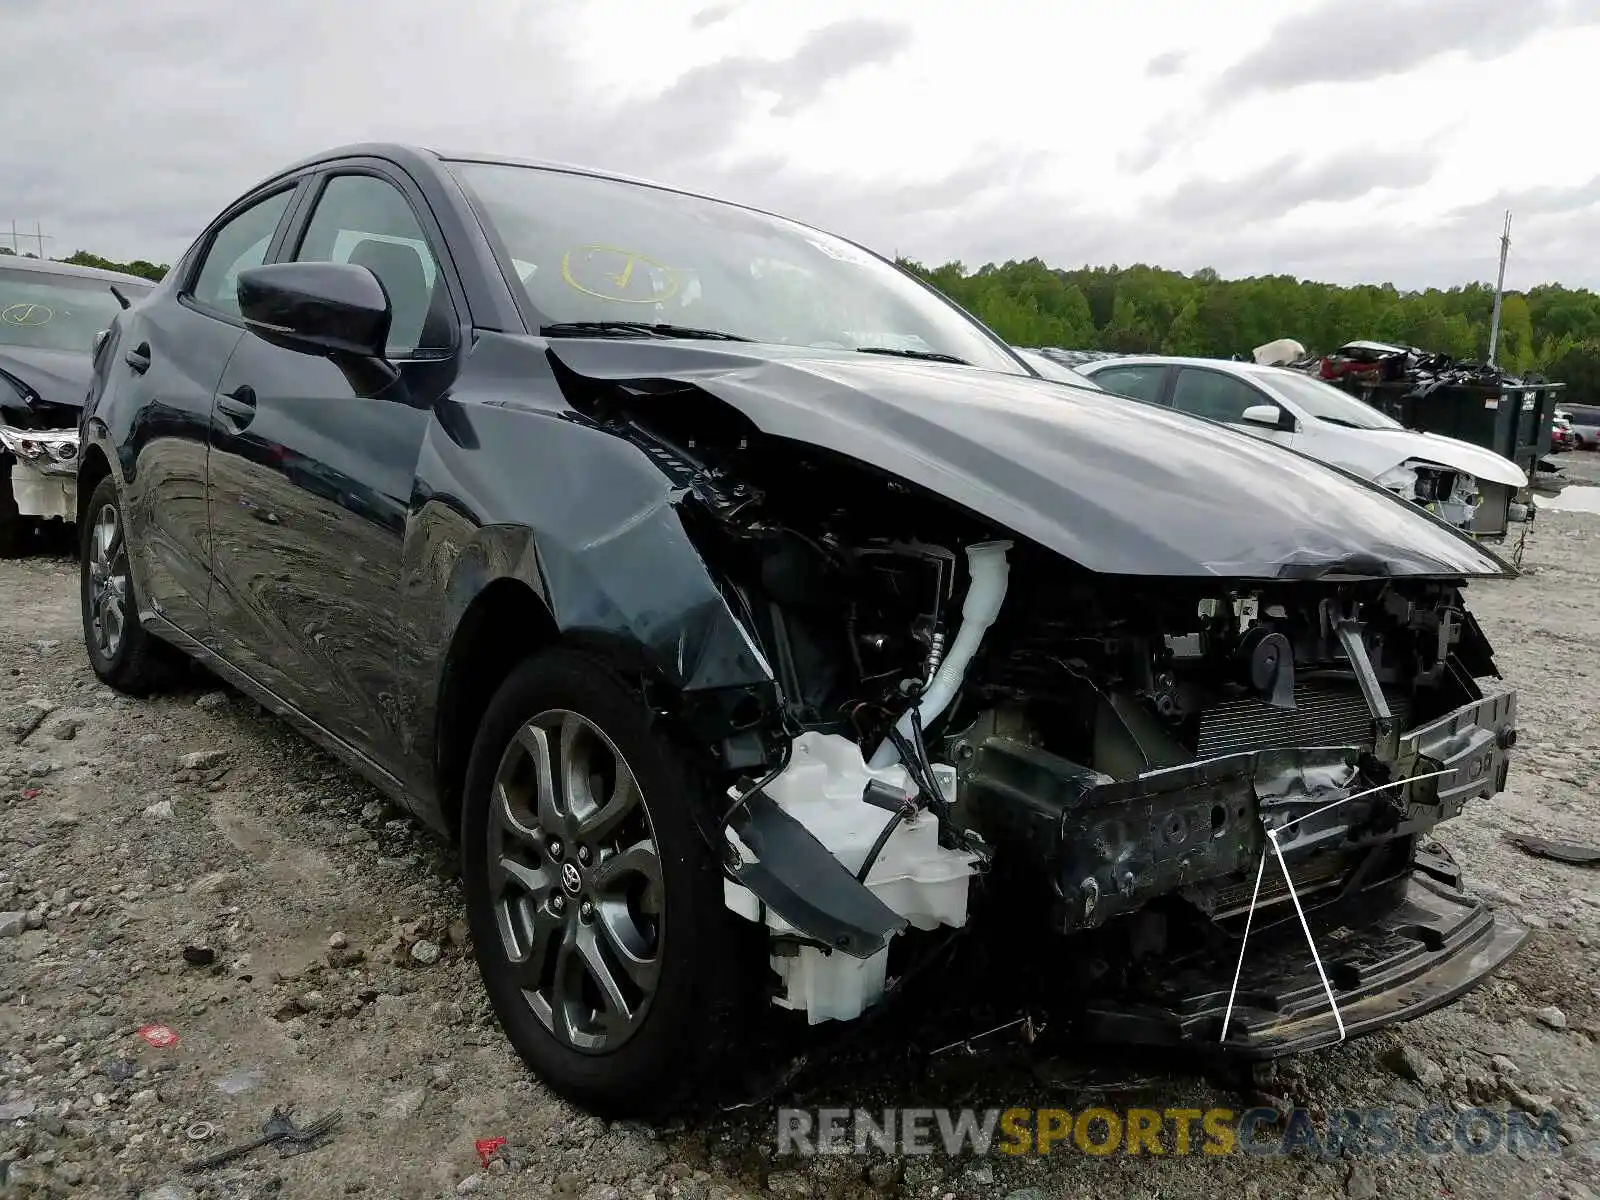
(1347, 140)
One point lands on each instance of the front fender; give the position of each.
(589, 525)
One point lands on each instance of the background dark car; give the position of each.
(50, 313)
(660, 550)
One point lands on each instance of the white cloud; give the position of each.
(1150, 130)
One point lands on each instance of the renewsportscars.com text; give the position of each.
(1375, 1132)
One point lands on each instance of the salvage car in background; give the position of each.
(50, 313)
(1583, 425)
(755, 620)
(1444, 475)
(1561, 435)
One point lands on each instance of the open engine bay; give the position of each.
(966, 721)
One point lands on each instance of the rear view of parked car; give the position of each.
(763, 629)
(50, 314)
(1470, 487)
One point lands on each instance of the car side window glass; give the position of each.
(239, 245)
(1215, 395)
(1139, 383)
(367, 221)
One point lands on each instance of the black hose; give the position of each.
(937, 793)
(913, 764)
(877, 846)
(733, 809)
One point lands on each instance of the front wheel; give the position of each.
(121, 651)
(595, 904)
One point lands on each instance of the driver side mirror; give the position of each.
(317, 308)
(1269, 415)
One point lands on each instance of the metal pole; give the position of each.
(1499, 290)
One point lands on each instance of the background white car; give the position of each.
(1464, 484)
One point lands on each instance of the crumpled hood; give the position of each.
(1118, 488)
(55, 376)
(1371, 452)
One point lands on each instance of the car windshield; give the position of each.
(1054, 371)
(612, 258)
(1327, 403)
(47, 311)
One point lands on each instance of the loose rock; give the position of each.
(16, 1110)
(1410, 1063)
(203, 760)
(1552, 1018)
(1361, 1183)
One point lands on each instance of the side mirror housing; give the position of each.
(317, 308)
(1269, 415)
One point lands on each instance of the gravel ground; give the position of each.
(188, 862)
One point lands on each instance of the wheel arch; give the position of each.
(505, 623)
(93, 466)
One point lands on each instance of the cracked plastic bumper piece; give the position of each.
(41, 494)
(1433, 947)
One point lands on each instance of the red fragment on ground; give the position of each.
(158, 1036)
(487, 1146)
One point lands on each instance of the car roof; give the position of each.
(404, 154)
(1231, 366)
(48, 266)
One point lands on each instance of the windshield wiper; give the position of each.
(1349, 424)
(635, 329)
(925, 355)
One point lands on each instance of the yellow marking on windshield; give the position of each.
(590, 259)
(27, 314)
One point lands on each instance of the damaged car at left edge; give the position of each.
(760, 625)
(50, 315)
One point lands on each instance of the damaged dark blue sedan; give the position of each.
(759, 622)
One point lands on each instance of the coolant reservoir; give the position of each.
(922, 881)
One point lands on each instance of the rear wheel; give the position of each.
(121, 651)
(595, 904)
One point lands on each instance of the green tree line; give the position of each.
(82, 258)
(1549, 330)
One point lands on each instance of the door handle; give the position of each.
(240, 404)
(138, 358)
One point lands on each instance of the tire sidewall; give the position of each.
(694, 952)
(105, 492)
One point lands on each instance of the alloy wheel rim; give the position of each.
(108, 581)
(575, 881)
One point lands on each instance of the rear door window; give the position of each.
(1139, 383)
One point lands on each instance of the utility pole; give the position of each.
(39, 237)
(1499, 290)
